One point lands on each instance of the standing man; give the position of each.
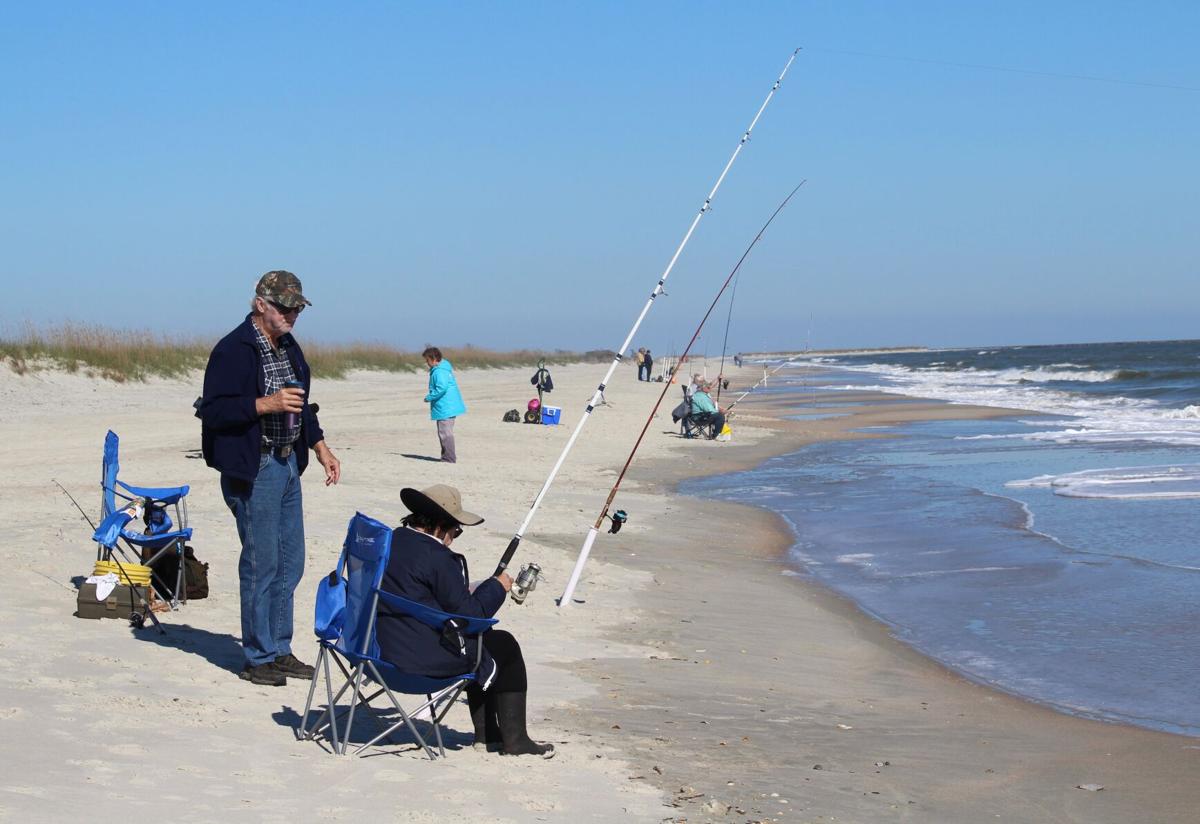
(444, 399)
(256, 431)
(648, 362)
(640, 359)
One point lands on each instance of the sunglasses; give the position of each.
(458, 530)
(286, 310)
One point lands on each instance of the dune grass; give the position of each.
(124, 355)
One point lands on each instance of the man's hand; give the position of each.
(289, 399)
(505, 581)
(325, 456)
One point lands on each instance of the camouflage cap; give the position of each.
(281, 287)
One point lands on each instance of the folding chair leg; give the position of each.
(407, 720)
(358, 674)
(312, 689)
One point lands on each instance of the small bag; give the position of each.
(512, 416)
(331, 607)
(452, 636)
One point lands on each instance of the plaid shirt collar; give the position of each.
(264, 343)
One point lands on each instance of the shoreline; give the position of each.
(1005, 782)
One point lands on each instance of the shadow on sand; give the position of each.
(219, 649)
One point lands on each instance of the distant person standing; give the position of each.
(640, 357)
(444, 399)
(648, 362)
(256, 430)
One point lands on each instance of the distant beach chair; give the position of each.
(693, 424)
(347, 601)
(160, 538)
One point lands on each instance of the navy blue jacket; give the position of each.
(424, 570)
(230, 432)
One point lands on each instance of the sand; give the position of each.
(694, 680)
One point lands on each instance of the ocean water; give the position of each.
(1051, 555)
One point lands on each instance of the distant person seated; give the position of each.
(423, 568)
(702, 403)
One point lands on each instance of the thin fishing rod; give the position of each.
(77, 506)
(565, 600)
(725, 342)
(763, 378)
(654, 293)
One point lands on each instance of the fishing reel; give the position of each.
(525, 582)
(618, 519)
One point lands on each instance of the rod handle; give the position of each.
(509, 552)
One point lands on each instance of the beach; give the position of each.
(692, 680)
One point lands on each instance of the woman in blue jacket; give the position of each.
(444, 399)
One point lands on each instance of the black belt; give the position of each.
(281, 451)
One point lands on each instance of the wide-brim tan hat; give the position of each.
(439, 501)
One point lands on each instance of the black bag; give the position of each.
(512, 416)
(166, 569)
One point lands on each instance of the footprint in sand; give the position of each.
(127, 749)
(36, 792)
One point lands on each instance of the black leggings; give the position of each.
(510, 664)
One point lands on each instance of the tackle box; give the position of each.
(121, 603)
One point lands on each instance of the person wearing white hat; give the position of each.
(423, 568)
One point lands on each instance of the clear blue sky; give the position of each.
(519, 174)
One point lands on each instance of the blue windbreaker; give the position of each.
(444, 399)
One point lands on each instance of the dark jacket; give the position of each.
(230, 432)
(424, 570)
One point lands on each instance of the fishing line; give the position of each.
(1009, 69)
(591, 536)
(599, 393)
(762, 379)
(725, 342)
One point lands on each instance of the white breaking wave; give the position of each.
(1126, 482)
(1093, 418)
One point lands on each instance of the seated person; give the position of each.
(702, 403)
(423, 568)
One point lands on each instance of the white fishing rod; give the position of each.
(618, 517)
(597, 396)
(761, 380)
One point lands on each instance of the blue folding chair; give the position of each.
(160, 538)
(347, 601)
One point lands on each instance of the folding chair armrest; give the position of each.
(165, 494)
(139, 538)
(110, 528)
(434, 618)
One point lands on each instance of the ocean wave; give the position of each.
(1095, 417)
(1187, 412)
(1122, 483)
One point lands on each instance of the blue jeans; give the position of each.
(270, 524)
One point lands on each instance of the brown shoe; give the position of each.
(266, 675)
(293, 667)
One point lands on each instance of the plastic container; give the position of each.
(551, 415)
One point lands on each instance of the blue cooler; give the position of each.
(551, 415)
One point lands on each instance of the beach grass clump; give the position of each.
(125, 355)
(335, 360)
(118, 355)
